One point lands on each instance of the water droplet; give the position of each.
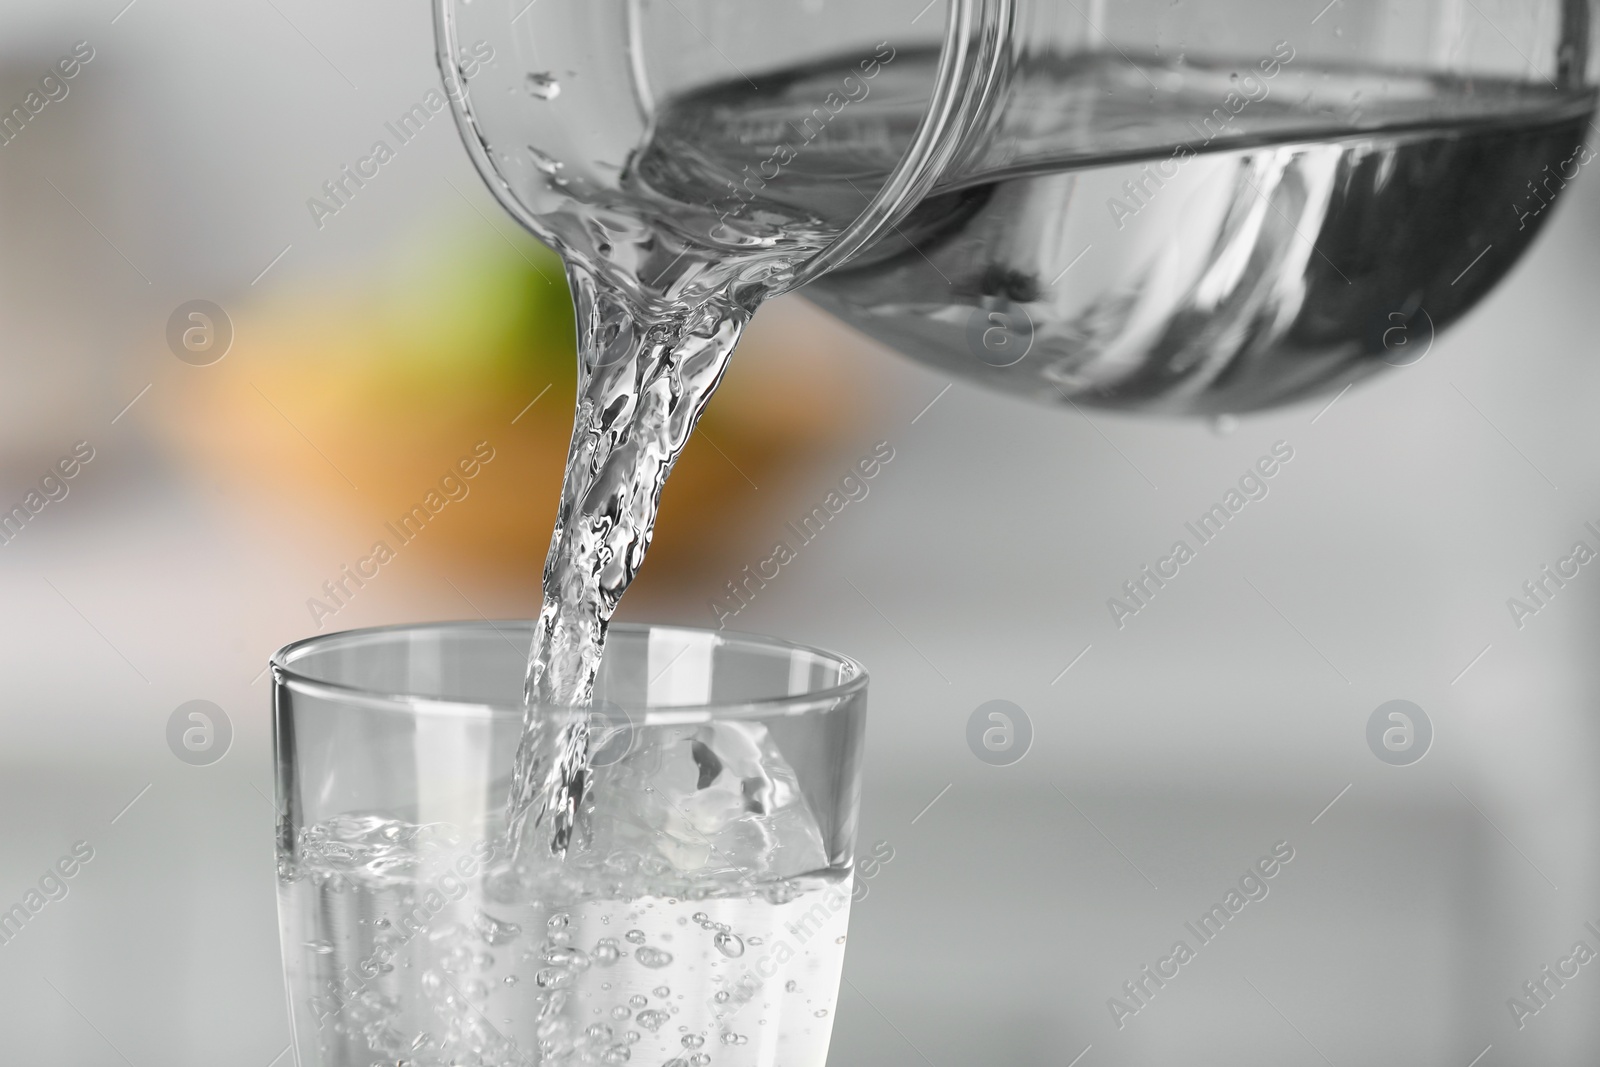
(616, 1054)
(839, 940)
(662, 991)
(731, 1038)
(752, 941)
(599, 1033)
(634, 937)
(544, 86)
(701, 917)
(699, 1059)
(557, 921)
(652, 1019)
(638, 1000)
(721, 996)
(730, 945)
(821, 1013)
(693, 1040)
(496, 931)
(790, 986)
(606, 952)
(652, 957)
(382, 924)
(510, 979)
(620, 1012)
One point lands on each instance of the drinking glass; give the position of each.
(699, 918)
(1196, 208)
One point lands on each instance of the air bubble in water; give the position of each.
(565, 956)
(693, 1040)
(321, 948)
(543, 162)
(729, 944)
(496, 931)
(452, 932)
(731, 1038)
(543, 85)
(635, 937)
(652, 1019)
(721, 996)
(606, 952)
(790, 986)
(652, 957)
(821, 1013)
(553, 978)
(662, 991)
(620, 1012)
(638, 1000)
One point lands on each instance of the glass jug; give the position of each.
(1202, 207)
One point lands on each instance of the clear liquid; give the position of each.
(1194, 239)
(1061, 114)
(1307, 207)
(424, 946)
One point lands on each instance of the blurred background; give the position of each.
(365, 351)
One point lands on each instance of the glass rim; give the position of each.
(284, 674)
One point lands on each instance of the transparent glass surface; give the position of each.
(701, 913)
(1204, 207)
